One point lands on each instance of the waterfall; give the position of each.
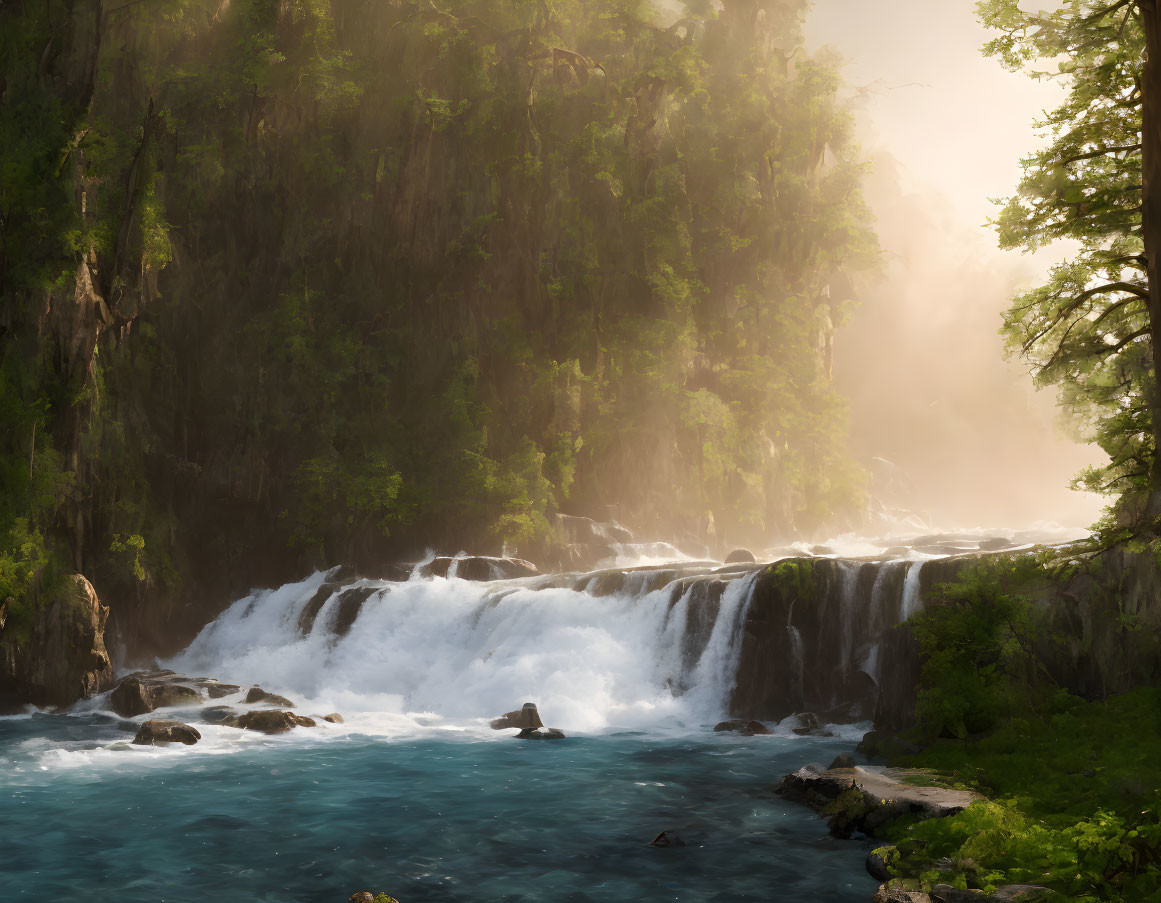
(658, 648)
(911, 604)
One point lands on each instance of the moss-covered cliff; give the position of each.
(286, 282)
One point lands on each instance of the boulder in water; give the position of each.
(269, 721)
(526, 718)
(808, 725)
(256, 694)
(217, 714)
(333, 718)
(144, 691)
(544, 733)
(743, 727)
(362, 896)
(740, 556)
(151, 733)
(845, 760)
(667, 839)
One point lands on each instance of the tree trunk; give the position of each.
(1151, 217)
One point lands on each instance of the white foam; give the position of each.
(462, 652)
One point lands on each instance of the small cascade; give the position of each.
(912, 603)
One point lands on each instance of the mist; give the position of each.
(949, 428)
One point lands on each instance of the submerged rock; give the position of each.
(525, 718)
(152, 733)
(743, 727)
(269, 721)
(256, 694)
(667, 839)
(544, 733)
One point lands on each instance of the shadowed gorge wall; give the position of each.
(287, 283)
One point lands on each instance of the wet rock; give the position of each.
(310, 611)
(996, 545)
(333, 718)
(269, 721)
(144, 691)
(217, 714)
(808, 724)
(740, 556)
(743, 727)
(526, 718)
(348, 608)
(544, 733)
(845, 760)
(945, 893)
(257, 695)
(667, 839)
(877, 866)
(63, 656)
(821, 550)
(1010, 892)
(363, 896)
(479, 568)
(152, 733)
(888, 894)
(217, 690)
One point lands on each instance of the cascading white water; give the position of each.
(451, 652)
(912, 604)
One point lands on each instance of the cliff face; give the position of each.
(828, 636)
(62, 658)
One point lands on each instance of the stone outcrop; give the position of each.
(257, 695)
(525, 718)
(865, 798)
(152, 733)
(145, 691)
(269, 721)
(478, 567)
(60, 656)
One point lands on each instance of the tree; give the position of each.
(1090, 328)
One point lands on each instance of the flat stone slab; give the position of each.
(887, 793)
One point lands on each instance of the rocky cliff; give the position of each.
(60, 656)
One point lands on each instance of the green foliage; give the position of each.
(376, 276)
(1075, 804)
(977, 641)
(1086, 330)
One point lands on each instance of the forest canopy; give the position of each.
(305, 281)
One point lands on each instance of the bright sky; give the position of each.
(922, 362)
(953, 117)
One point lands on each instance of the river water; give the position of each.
(414, 794)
